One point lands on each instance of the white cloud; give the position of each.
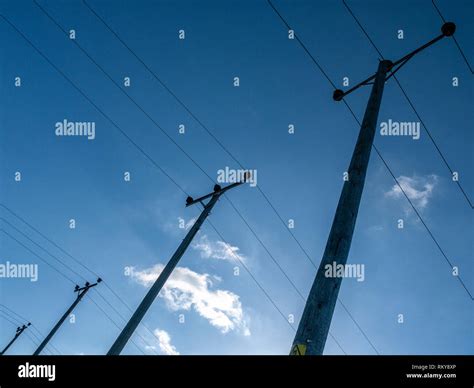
(186, 289)
(217, 249)
(164, 342)
(418, 189)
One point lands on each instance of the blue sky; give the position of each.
(136, 224)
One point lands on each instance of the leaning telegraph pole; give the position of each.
(81, 291)
(317, 315)
(155, 289)
(18, 332)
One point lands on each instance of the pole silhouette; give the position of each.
(315, 322)
(155, 289)
(19, 331)
(81, 291)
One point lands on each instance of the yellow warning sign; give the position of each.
(298, 350)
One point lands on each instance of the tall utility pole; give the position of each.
(18, 332)
(317, 315)
(81, 291)
(141, 310)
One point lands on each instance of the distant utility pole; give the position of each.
(19, 330)
(81, 291)
(314, 325)
(140, 312)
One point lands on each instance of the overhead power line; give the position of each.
(35, 332)
(428, 132)
(63, 263)
(210, 133)
(194, 116)
(90, 101)
(437, 148)
(379, 154)
(454, 38)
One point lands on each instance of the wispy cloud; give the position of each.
(217, 249)
(186, 289)
(164, 343)
(418, 189)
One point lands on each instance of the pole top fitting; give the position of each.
(337, 95)
(448, 29)
(388, 63)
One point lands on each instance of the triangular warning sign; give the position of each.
(298, 350)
